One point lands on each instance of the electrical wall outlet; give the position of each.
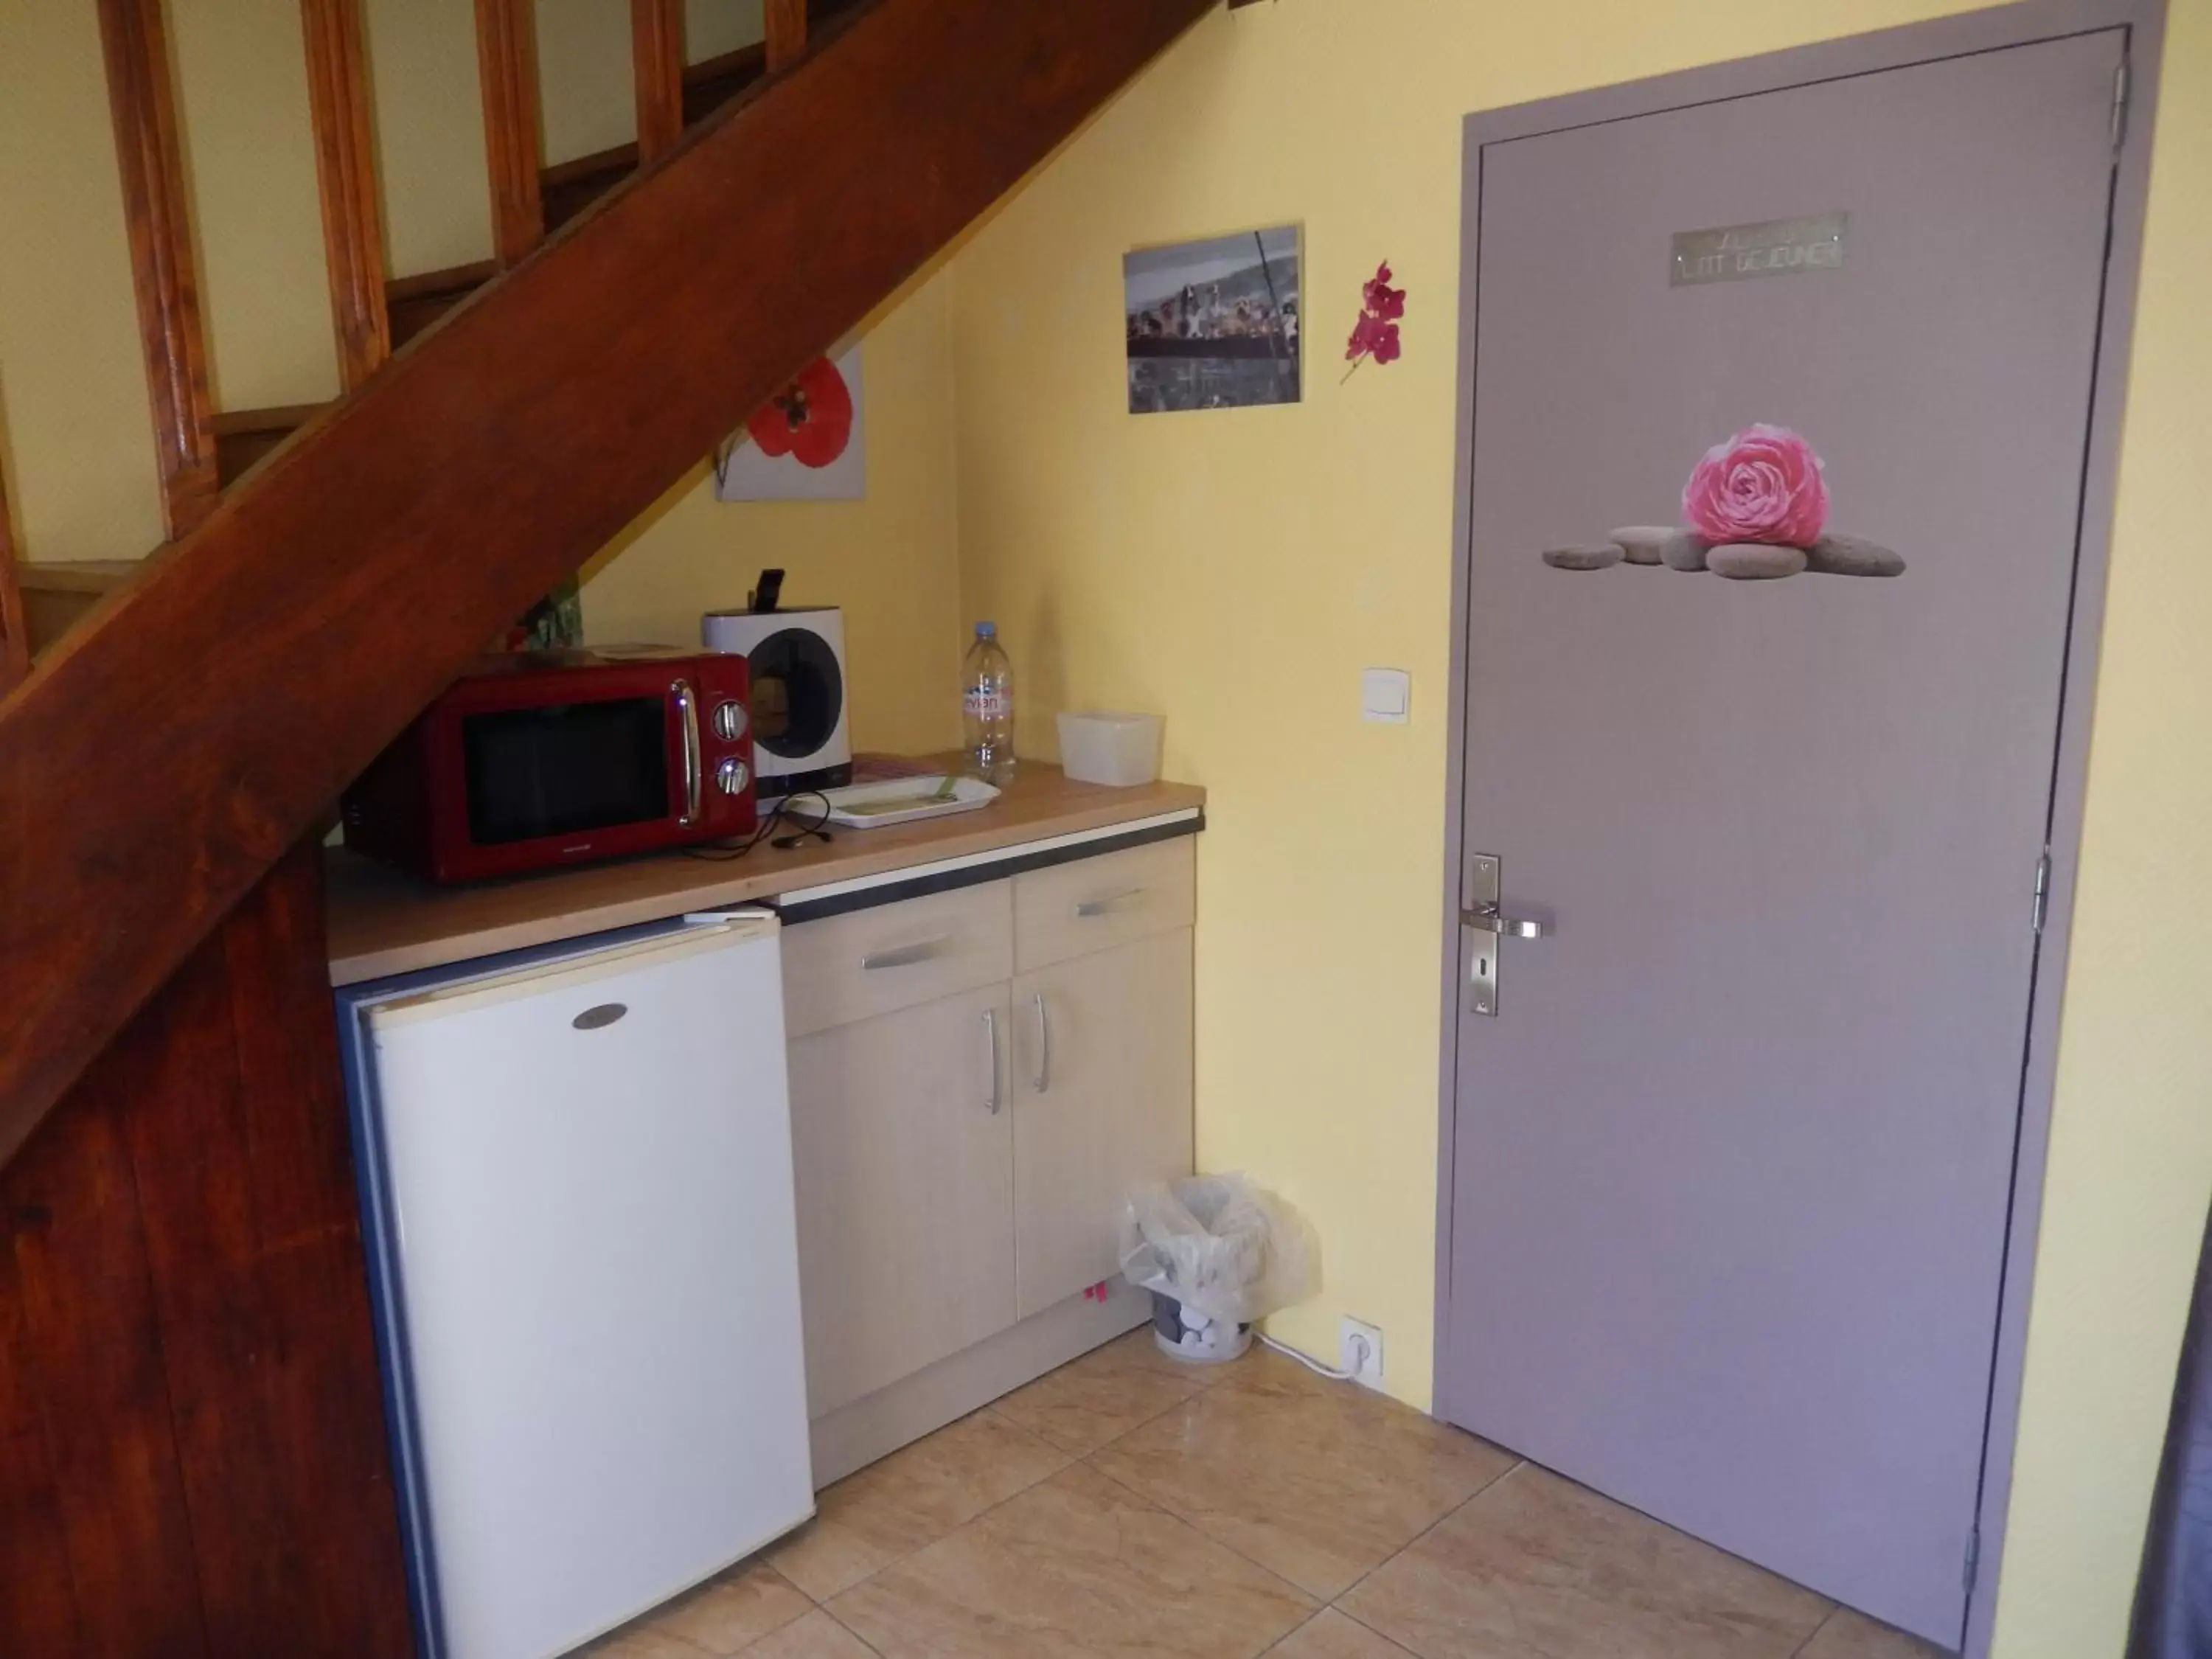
(1359, 1350)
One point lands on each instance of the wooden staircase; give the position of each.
(192, 1459)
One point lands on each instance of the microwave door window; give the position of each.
(565, 770)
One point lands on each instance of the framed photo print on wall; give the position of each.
(1215, 324)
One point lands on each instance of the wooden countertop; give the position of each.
(383, 922)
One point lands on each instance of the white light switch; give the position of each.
(1386, 695)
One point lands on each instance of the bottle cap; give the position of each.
(986, 630)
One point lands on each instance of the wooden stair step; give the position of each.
(566, 188)
(243, 436)
(415, 302)
(55, 595)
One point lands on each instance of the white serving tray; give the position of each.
(904, 800)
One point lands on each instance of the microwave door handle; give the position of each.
(687, 710)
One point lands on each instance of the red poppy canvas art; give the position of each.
(805, 443)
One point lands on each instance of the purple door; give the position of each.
(1733, 1150)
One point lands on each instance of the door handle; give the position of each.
(991, 1039)
(1043, 1081)
(1485, 919)
(1483, 916)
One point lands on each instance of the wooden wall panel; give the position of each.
(506, 69)
(142, 100)
(87, 1308)
(38, 1611)
(198, 1353)
(657, 52)
(345, 169)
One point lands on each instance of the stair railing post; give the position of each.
(345, 172)
(507, 66)
(657, 49)
(787, 33)
(142, 100)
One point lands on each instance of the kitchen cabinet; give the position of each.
(978, 1076)
(1102, 1103)
(905, 1156)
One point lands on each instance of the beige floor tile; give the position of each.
(1102, 1396)
(1317, 1481)
(727, 1615)
(1851, 1635)
(1329, 1635)
(911, 1498)
(639, 1642)
(1540, 1568)
(1077, 1566)
(818, 1635)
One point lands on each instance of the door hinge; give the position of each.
(1973, 1556)
(2042, 891)
(2120, 79)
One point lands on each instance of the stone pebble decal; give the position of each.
(1757, 509)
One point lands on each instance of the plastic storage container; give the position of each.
(1101, 746)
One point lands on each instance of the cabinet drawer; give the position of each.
(871, 962)
(1071, 909)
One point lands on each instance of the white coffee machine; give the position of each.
(796, 661)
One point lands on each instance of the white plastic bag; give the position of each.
(1219, 1245)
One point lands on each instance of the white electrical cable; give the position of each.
(1313, 1364)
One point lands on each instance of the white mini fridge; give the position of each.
(576, 1183)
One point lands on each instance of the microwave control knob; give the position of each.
(730, 721)
(732, 775)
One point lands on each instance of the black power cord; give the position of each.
(776, 816)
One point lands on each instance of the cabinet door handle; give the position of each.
(906, 955)
(1106, 907)
(991, 1038)
(1043, 1080)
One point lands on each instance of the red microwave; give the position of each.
(551, 758)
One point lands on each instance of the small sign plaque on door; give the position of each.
(1775, 247)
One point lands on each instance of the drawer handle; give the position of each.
(1107, 907)
(907, 955)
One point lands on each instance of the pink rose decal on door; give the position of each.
(1756, 507)
(1764, 484)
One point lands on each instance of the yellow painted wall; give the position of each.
(1236, 572)
(430, 133)
(75, 437)
(585, 95)
(257, 217)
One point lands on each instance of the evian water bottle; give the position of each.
(986, 705)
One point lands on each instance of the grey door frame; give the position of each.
(2021, 24)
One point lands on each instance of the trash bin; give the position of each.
(1217, 1253)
